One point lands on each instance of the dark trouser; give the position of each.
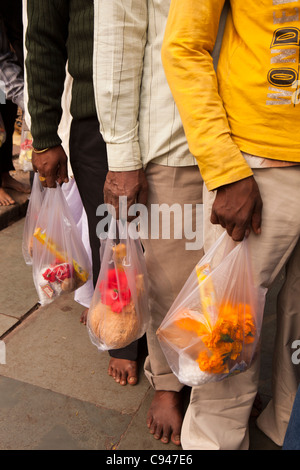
(89, 164)
(292, 437)
(9, 113)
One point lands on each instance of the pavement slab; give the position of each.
(33, 418)
(52, 349)
(18, 294)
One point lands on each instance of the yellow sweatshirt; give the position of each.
(253, 104)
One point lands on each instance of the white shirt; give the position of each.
(138, 117)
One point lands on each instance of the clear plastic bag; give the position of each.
(213, 328)
(33, 210)
(25, 156)
(2, 131)
(118, 314)
(60, 262)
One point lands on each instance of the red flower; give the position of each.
(115, 291)
(27, 144)
(58, 272)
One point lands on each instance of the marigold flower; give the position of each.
(234, 328)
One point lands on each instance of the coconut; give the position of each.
(115, 330)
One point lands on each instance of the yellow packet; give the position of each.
(51, 246)
(207, 293)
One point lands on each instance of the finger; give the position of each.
(131, 202)
(142, 196)
(106, 194)
(43, 180)
(51, 180)
(238, 233)
(229, 229)
(112, 202)
(225, 224)
(214, 218)
(256, 219)
(63, 172)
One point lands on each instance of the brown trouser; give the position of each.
(169, 263)
(218, 413)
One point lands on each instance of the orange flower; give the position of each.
(190, 324)
(214, 364)
(225, 340)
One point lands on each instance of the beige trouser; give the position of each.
(168, 262)
(218, 413)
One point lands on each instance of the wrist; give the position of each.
(40, 150)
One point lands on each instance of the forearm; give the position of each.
(11, 75)
(190, 36)
(45, 40)
(120, 37)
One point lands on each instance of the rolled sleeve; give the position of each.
(189, 41)
(120, 36)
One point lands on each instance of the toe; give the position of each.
(132, 380)
(123, 378)
(158, 432)
(175, 439)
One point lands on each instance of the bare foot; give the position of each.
(5, 199)
(165, 416)
(123, 371)
(83, 316)
(9, 182)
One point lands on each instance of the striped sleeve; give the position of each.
(45, 40)
(120, 37)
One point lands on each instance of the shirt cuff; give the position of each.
(124, 156)
(48, 141)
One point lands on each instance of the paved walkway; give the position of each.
(54, 389)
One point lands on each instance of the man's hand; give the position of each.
(238, 208)
(51, 165)
(132, 184)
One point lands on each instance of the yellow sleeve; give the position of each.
(189, 40)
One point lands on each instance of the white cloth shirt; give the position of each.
(138, 117)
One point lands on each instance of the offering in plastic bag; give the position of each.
(25, 156)
(2, 131)
(213, 328)
(118, 314)
(33, 210)
(60, 261)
